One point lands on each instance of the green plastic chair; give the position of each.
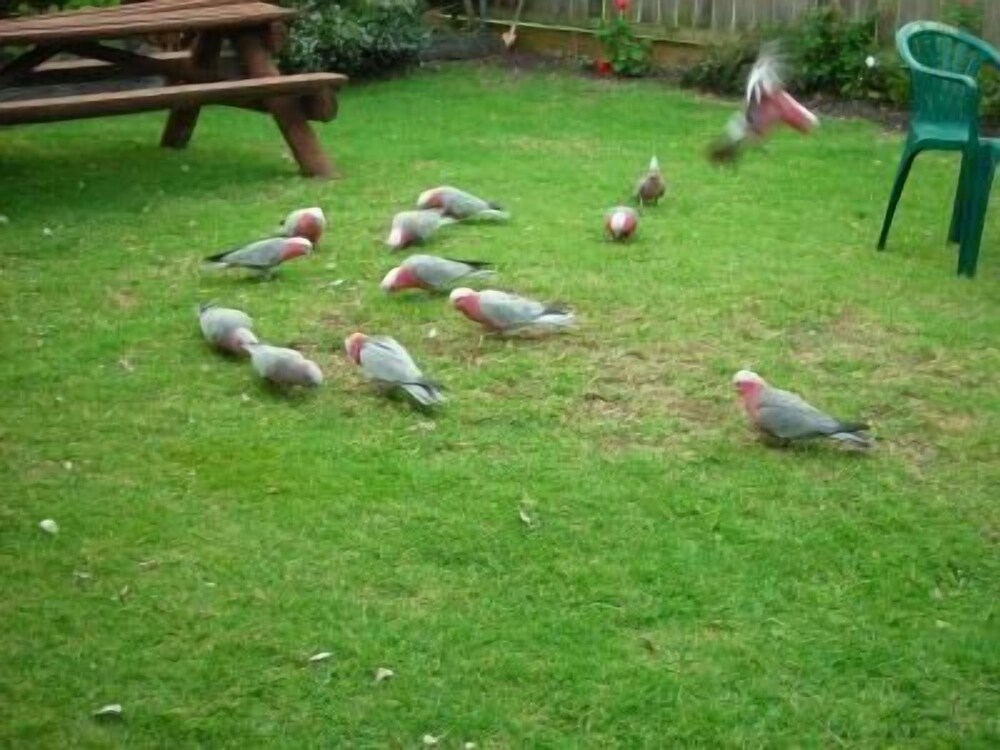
(981, 184)
(943, 63)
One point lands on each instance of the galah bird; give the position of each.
(459, 204)
(305, 222)
(226, 329)
(263, 255)
(785, 417)
(409, 227)
(432, 273)
(282, 366)
(620, 223)
(385, 361)
(651, 186)
(507, 313)
(768, 105)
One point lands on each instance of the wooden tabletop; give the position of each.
(158, 16)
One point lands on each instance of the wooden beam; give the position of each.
(288, 113)
(82, 106)
(21, 66)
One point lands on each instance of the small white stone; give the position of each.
(430, 740)
(46, 231)
(321, 656)
(49, 526)
(68, 465)
(4, 219)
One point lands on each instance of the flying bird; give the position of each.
(460, 204)
(508, 313)
(768, 105)
(226, 329)
(409, 227)
(620, 223)
(784, 417)
(263, 255)
(390, 366)
(305, 222)
(433, 273)
(651, 186)
(284, 367)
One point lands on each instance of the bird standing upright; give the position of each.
(651, 186)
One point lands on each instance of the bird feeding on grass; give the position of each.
(505, 313)
(284, 367)
(309, 223)
(620, 223)
(391, 368)
(264, 255)
(433, 273)
(768, 105)
(460, 204)
(783, 417)
(409, 227)
(227, 329)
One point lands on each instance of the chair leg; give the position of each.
(909, 154)
(963, 194)
(975, 215)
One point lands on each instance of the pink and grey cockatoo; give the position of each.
(390, 366)
(433, 273)
(651, 186)
(508, 313)
(227, 329)
(409, 227)
(305, 222)
(263, 255)
(620, 223)
(783, 417)
(459, 204)
(285, 367)
(768, 105)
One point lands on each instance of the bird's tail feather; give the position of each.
(855, 439)
(493, 214)
(424, 393)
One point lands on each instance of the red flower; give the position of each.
(622, 6)
(603, 67)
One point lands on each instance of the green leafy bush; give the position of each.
(360, 39)
(627, 54)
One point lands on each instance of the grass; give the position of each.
(681, 585)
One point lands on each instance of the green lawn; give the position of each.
(682, 585)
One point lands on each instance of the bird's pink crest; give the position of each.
(295, 247)
(310, 225)
(353, 344)
(400, 278)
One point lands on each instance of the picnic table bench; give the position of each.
(191, 78)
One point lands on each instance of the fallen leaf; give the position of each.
(430, 740)
(432, 333)
(123, 593)
(110, 711)
(321, 656)
(149, 564)
(49, 526)
(525, 518)
(81, 575)
(125, 364)
(382, 673)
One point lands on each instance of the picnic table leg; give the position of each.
(182, 120)
(287, 111)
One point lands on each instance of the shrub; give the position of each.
(626, 53)
(360, 39)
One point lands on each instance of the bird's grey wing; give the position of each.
(260, 254)
(384, 358)
(509, 310)
(788, 416)
(438, 272)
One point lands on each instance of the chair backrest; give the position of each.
(943, 63)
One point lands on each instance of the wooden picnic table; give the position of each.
(191, 79)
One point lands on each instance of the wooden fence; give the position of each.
(730, 16)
